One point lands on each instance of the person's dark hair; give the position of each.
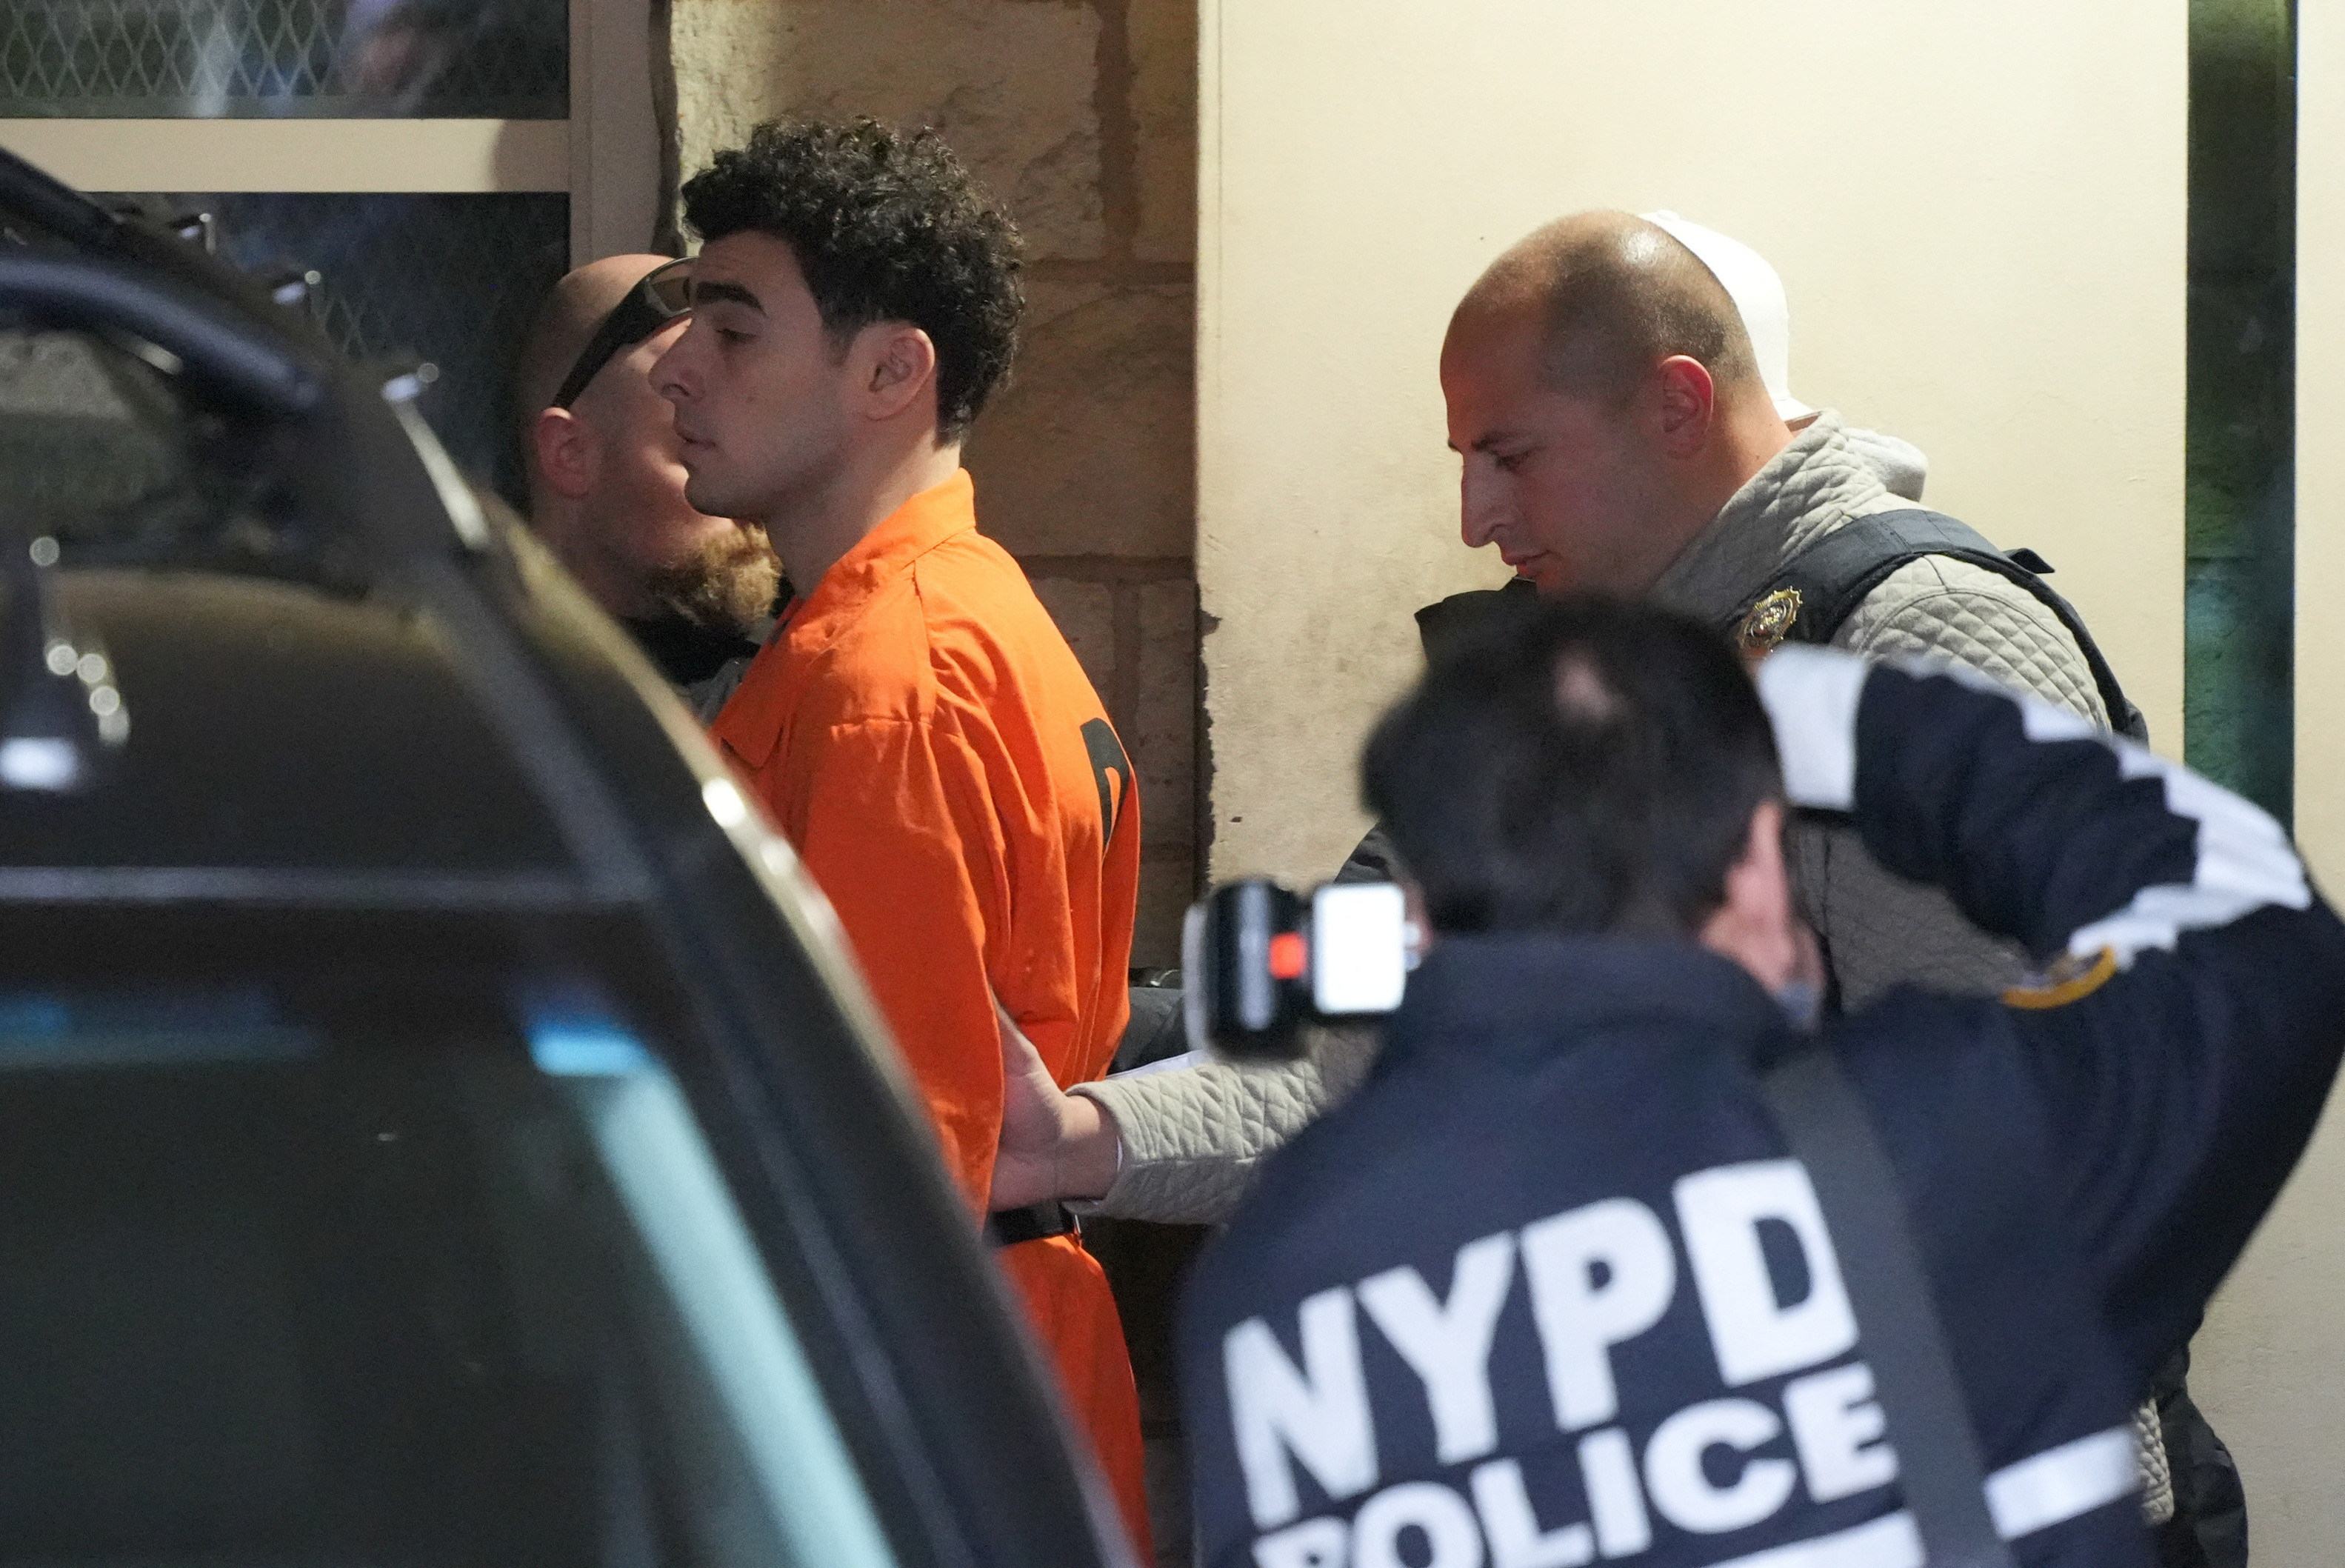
(885, 227)
(1586, 765)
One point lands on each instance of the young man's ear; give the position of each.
(902, 362)
(564, 452)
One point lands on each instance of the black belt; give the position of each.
(1032, 1223)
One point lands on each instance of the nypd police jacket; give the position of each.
(1549, 1290)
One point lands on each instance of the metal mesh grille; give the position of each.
(76, 436)
(506, 59)
(448, 280)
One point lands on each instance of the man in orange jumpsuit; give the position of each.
(916, 725)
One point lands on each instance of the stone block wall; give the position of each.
(1082, 114)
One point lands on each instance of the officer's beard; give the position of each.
(728, 586)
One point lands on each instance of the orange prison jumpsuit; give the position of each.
(923, 735)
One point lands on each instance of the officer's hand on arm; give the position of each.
(1054, 1144)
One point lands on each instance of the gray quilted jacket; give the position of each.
(1193, 1139)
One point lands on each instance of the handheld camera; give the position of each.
(1259, 962)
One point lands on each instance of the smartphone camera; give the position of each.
(1260, 961)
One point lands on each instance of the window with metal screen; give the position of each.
(506, 59)
(445, 278)
(437, 163)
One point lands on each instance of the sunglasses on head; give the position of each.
(664, 294)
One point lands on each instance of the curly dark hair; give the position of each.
(885, 227)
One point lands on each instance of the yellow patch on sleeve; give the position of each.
(2072, 979)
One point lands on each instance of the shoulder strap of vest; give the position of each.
(1825, 1124)
(1835, 573)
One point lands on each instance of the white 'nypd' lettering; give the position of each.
(1595, 1277)
(1319, 1414)
(1598, 1275)
(1581, 1313)
(1754, 1334)
(1448, 1344)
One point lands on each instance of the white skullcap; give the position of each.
(1756, 292)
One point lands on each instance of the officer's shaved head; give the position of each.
(606, 479)
(567, 318)
(1616, 296)
(1605, 401)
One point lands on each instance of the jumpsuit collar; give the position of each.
(751, 724)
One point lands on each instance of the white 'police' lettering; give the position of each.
(1680, 1484)
(1319, 1412)
(1754, 1334)
(1452, 1537)
(1512, 1528)
(1447, 1346)
(1608, 1468)
(1314, 1543)
(1836, 1430)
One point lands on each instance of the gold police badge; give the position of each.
(1771, 620)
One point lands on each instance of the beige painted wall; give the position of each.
(2271, 1361)
(2320, 455)
(1977, 209)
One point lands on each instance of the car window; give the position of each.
(114, 458)
(440, 1275)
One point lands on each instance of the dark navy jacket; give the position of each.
(1549, 1291)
